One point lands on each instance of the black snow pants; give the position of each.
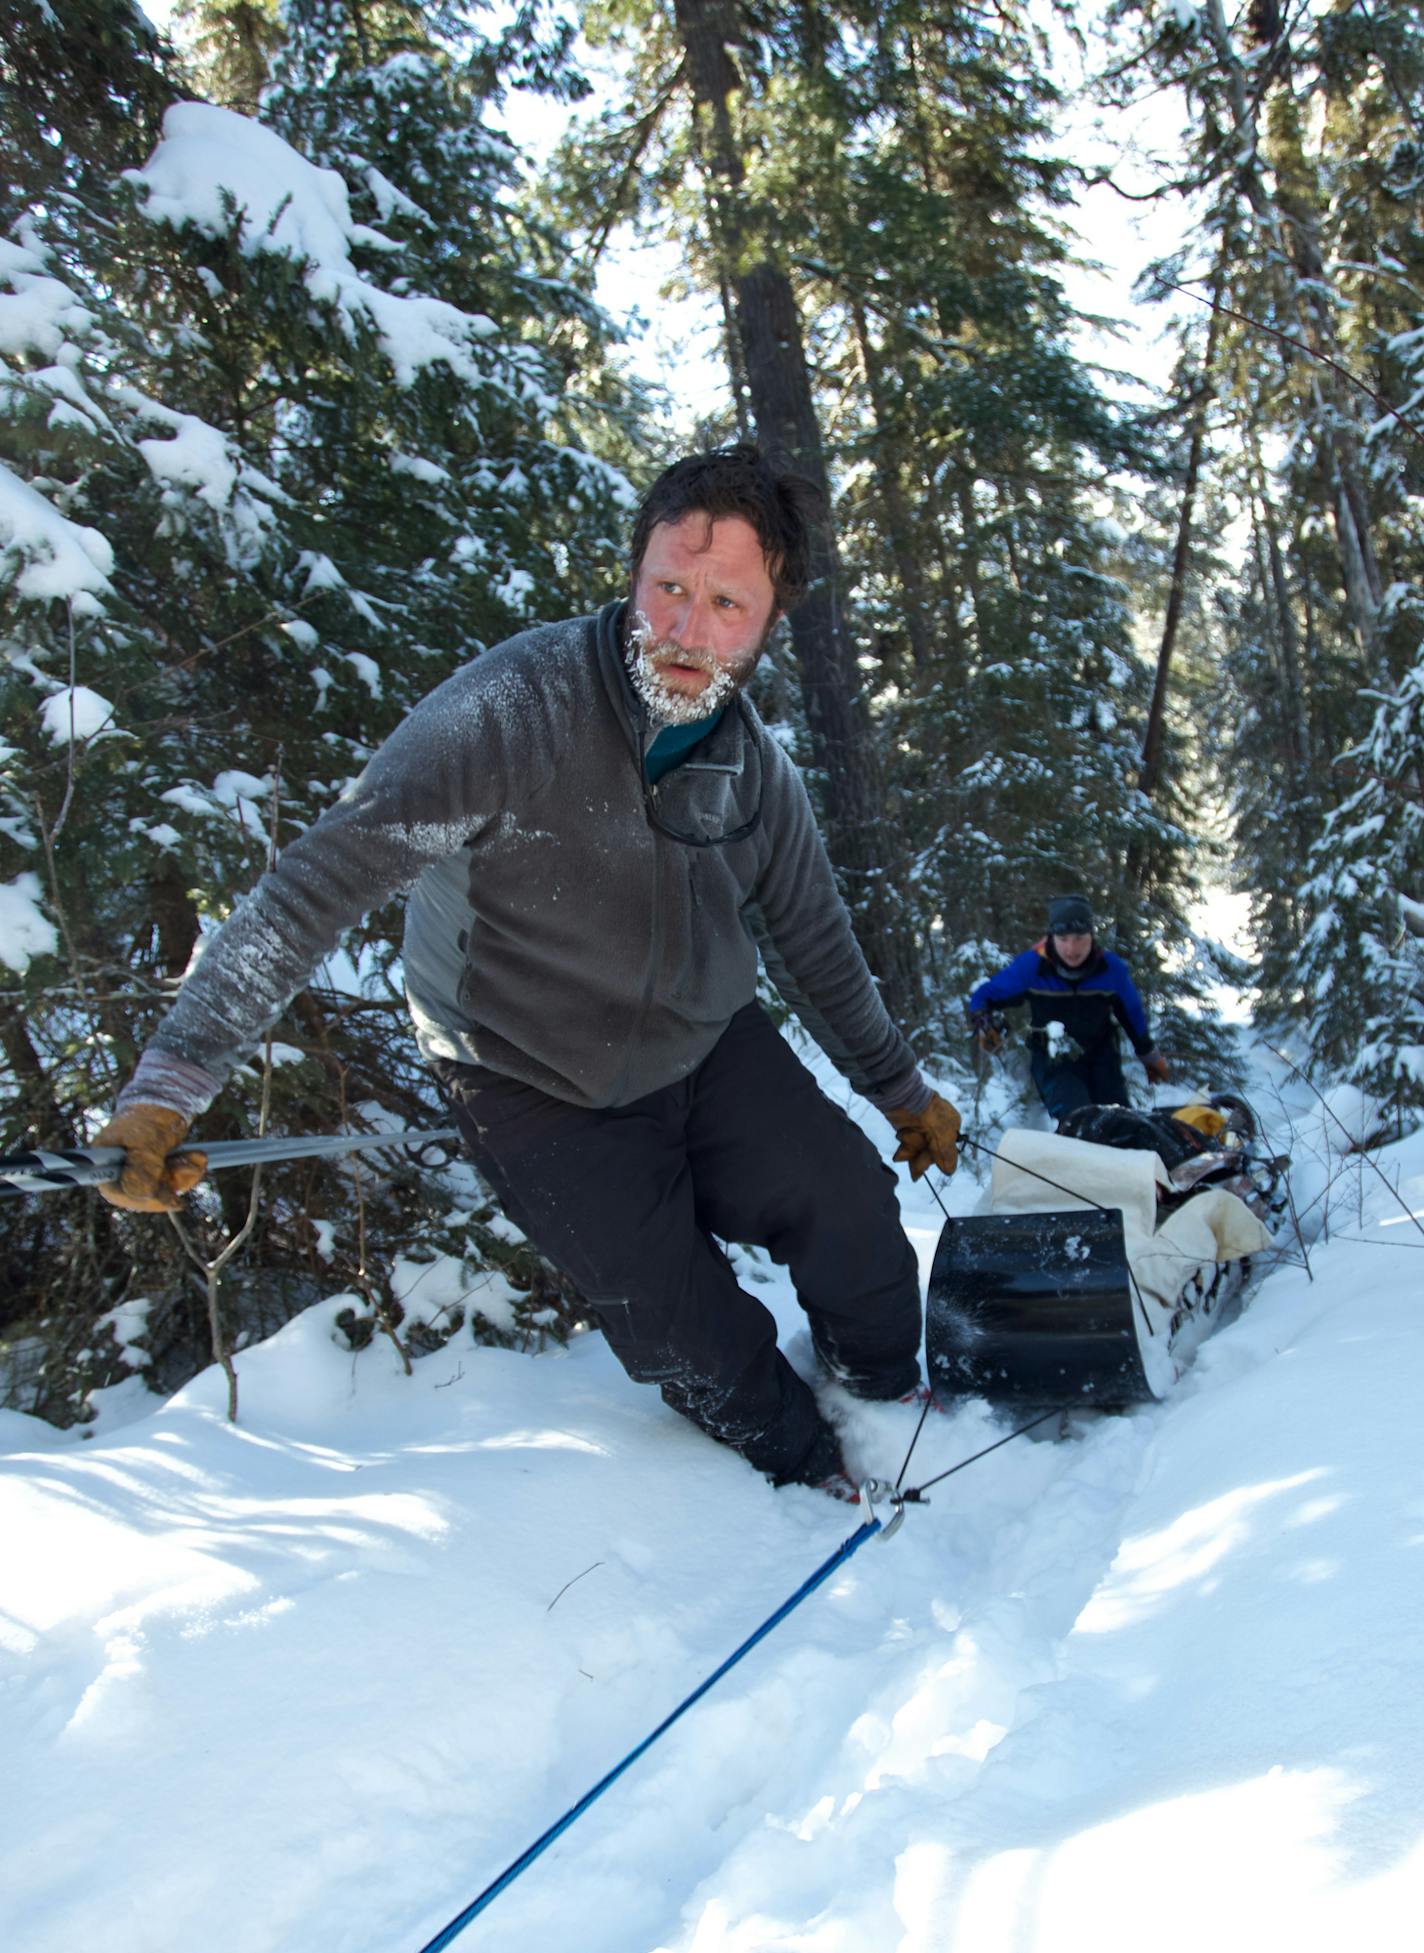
(1067, 1084)
(631, 1202)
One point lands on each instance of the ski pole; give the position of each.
(90, 1166)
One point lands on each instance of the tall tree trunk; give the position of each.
(1010, 535)
(1295, 716)
(969, 528)
(1151, 765)
(53, 1126)
(859, 838)
(899, 528)
(175, 916)
(731, 338)
(1288, 221)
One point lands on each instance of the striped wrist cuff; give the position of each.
(908, 1093)
(161, 1079)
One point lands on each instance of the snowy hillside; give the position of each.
(315, 1680)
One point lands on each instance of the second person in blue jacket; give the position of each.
(1070, 983)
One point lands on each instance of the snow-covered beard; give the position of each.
(647, 654)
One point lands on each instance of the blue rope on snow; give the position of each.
(556, 1830)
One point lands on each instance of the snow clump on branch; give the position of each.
(215, 169)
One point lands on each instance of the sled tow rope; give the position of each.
(873, 1491)
(57, 1170)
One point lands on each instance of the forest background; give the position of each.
(311, 393)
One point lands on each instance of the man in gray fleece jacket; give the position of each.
(598, 836)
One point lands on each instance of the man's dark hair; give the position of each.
(780, 507)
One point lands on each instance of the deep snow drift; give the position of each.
(314, 1680)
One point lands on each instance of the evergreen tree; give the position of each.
(686, 142)
(1361, 968)
(273, 470)
(895, 170)
(983, 457)
(1302, 136)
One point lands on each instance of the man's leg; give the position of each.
(1103, 1065)
(777, 1165)
(1060, 1085)
(608, 1196)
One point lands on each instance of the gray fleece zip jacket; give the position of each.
(553, 932)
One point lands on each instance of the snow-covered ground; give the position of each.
(314, 1680)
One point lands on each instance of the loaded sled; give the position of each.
(1109, 1251)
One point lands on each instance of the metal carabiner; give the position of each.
(872, 1489)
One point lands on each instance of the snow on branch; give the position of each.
(44, 556)
(25, 932)
(38, 313)
(212, 162)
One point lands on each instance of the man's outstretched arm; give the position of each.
(420, 798)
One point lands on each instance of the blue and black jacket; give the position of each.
(1084, 1001)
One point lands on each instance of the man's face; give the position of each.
(703, 604)
(1072, 947)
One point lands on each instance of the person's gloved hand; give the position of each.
(148, 1184)
(1156, 1067)
(988, 1035)
(929, 1137)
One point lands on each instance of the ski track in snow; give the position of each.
(317, 1679)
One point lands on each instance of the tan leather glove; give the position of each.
(989, 1037)
(1156, 1067)
(148, 1184)
(928, 1138)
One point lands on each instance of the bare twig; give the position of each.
(352, 1006)
(369, 1289)
(1410, 427)
(71, 951)
(62, 816)
(220, 644)
(1299, 1232)
(1297, 1215)
(1367, 1241)
(642, 131)
(212, 1270)
(1363, 1152)
(571, 1583)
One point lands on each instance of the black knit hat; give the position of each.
(1070, 915)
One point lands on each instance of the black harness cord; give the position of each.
(917, 1495)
